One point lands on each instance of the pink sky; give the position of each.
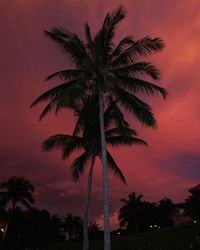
(168, 167)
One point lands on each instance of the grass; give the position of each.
(183, 237)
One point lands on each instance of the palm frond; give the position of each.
(76, 143)
(78, 165)
(142, 47)
(114, 17)
(103, 41)
(55, 142)
(122, 45)
(71, 44)
(79, 126)
(51, 105)
(136, 85)
(59, 141)
(25, 203)
(114, 114)
(88, 36)
(124, 141)
(122, 130)
(140, 109)
(59, 102)
(137, 69)
(114, 168)
(69, 74)
(75, 85)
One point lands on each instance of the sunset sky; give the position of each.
(171, 163)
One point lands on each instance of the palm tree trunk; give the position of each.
(86, 207)
(107, 245)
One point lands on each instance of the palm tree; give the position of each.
(129, 213)
(106, 69)
(15, 190)
(166, 210)
(73, 226)
(95, 231)
(90, 142)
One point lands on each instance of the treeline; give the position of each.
(32, 227)
(35, 228)
(138, 216)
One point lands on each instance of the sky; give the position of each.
(171, 163)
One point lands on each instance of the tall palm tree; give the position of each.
(90, 142)
(16, 190)
(106, 69)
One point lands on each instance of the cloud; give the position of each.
(28, 57)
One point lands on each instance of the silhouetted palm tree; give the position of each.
(166, 210)
(95, 231)
(15, 191)
(103, 68)
(90, 142)
(130, 212)
(72, 225)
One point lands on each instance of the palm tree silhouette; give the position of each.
(15, 191)
(73, 226)
(86, 136)
(130, 212)
(106, 69)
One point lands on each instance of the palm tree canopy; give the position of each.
(17, 190)
(102, 65)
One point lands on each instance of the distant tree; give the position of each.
(16, 190)
(73, 226)
(45, 228)
(130, 214)
(140, 216)
(166, 210)
(35, 229)
(192, 207)
(95, 231)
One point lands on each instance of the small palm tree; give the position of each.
(72, 225)
(15, 191)
(105, 69)
(94, 231)
(90, 142)
(130, 212)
